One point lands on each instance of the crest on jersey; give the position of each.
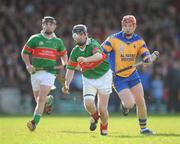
(134, 46)
(121, 49)
(55, 45)
(41, 43)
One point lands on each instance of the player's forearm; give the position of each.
(147, 57)
(64, 59)
(69, 76)
(95, 57)
(26, 59)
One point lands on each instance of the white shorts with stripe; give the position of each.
(42, 78)
(102, 85)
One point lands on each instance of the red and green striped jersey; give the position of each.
(44, 51)
(90, 70)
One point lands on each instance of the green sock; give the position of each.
(36, 118)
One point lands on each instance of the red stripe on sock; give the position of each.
(95, 115)
(103, 127)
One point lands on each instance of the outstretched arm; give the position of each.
(96, 57)
(68, 78)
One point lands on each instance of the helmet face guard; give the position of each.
(80, 28)
(76, 31)
(49, 19)
(48, 29)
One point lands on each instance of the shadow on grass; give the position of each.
(74, 132)
(140, 136)
(124, 136)
(168, 134)
(93, 135)
(115, 135)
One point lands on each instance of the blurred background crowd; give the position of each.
(158, 23)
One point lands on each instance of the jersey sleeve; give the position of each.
(61, 49)
(72, 62)
(107, 45)
(98, 49)
(29, 46)
(143, 49)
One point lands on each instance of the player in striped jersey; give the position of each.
(123, 48)
(96, 76)
(44, 48)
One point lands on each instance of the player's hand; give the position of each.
(30, 68)
(65, 89)
(147, 61)
(82, 59)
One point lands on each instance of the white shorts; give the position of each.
(102, 85)
(42, 78)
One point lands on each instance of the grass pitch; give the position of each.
(74, 130)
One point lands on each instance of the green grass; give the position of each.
(74, 130)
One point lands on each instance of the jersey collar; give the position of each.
(53, 35)
(123, 35)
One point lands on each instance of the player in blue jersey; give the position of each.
(123, 48)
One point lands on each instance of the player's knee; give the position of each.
(88, 102)
(41, 99)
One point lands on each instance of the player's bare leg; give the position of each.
(103, 111)
(138, 93)
(48, 105)
(127, 101)
(43, 92)
(41, 99)
(31, 124)
(90, 107)
(49, 102)
(36, 93)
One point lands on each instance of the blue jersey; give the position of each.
(122, 52)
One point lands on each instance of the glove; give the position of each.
(147, 61)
